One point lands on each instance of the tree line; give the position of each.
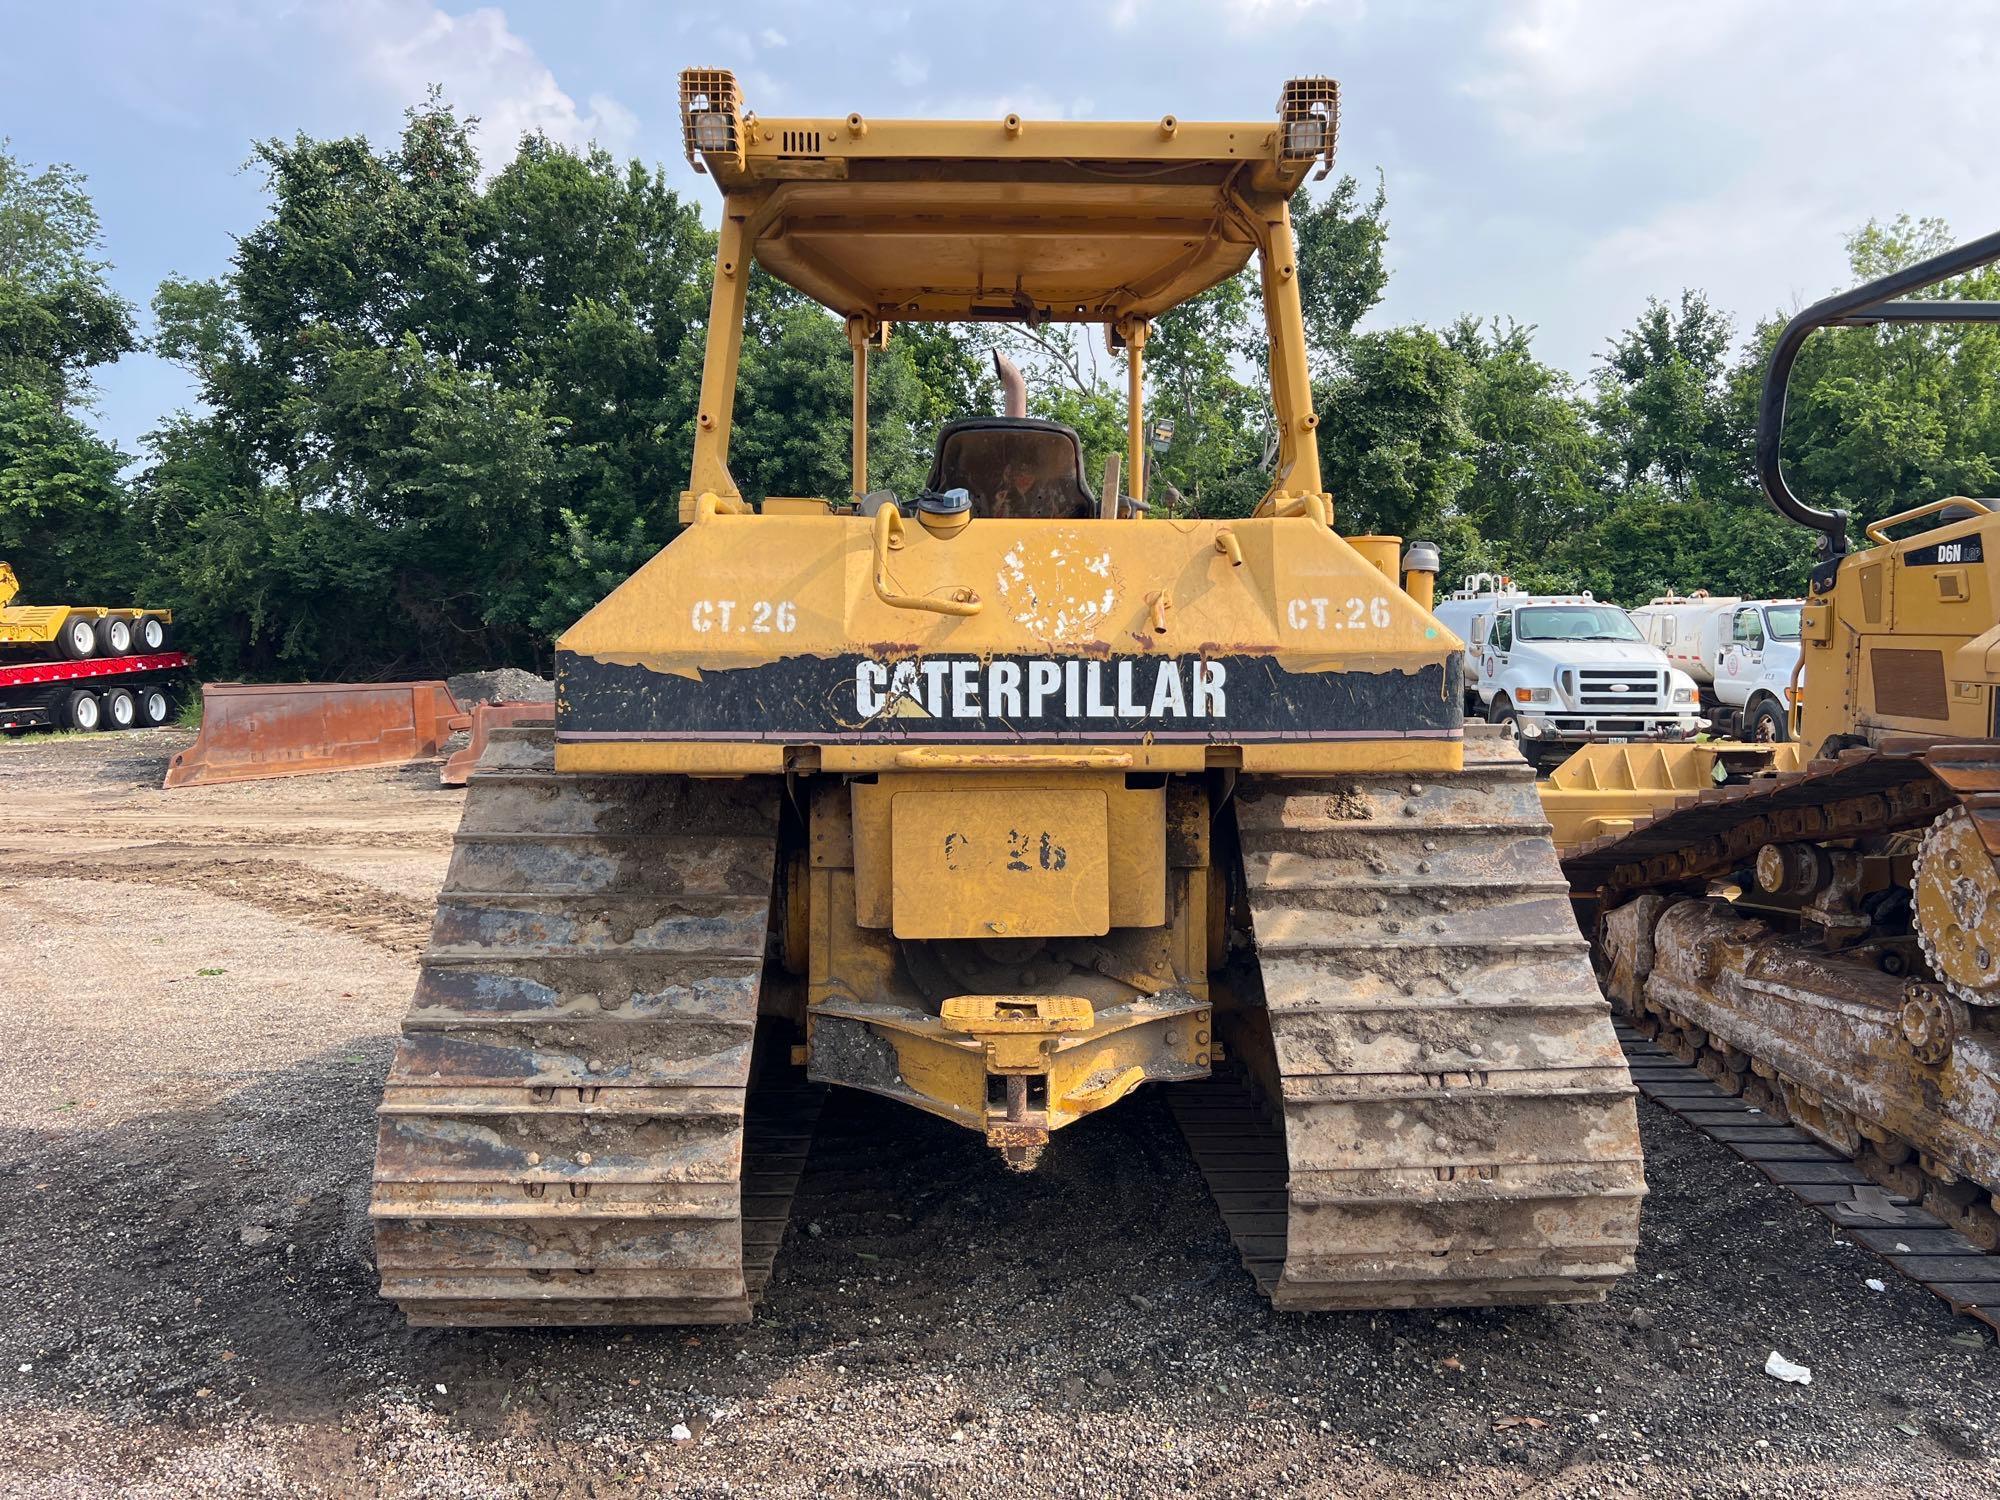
(441, 415)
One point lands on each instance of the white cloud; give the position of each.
(770, 36)
(1026, 100)
(485, 69)
(1564, 62)
(1246, 14)
(1709, 144)
(909, 70)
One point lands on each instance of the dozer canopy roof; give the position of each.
(1026, 221)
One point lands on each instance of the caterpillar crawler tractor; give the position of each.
(1003, 800)
(1826, 941)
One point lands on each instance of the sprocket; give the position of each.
(1957, 889)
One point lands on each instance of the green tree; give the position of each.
(1392, 435)
(1342, 266)
(1884, 419)
(1536, 466)
(59, 318)
(1663, 400)
(62, 502)
(476, 400)
(63, 505)
(1217, 461)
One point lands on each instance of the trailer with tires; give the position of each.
(107, 692)
(77, 632)
(89, 667)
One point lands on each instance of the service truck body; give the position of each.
(1741, 653)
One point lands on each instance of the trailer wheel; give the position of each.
(152, 631)
(121, 709)
(78, 641)
(117, 637)
(155, 707)
(81, 710)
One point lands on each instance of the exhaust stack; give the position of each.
(1014, 389)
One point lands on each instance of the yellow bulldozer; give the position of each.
(1003, 800)
(1824, 939)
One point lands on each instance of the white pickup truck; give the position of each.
(1741, 653)
(1565, 670)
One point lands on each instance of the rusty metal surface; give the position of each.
(487, 717)
(1893, 1225)
(1956, 886)
(569, 1133)
(1827, 1037)
(1830, 1023)
(1862, 792)
(1432, 1110)
(250, 731)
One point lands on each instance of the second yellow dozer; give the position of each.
(1004, 800)
(1823, 938)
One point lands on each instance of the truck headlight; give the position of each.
(1684, 695)
(1532, 695)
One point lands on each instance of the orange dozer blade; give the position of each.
(487, 717)
(253, 730)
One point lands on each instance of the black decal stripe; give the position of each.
(807, 699)
(1969, 549)
(963, 737)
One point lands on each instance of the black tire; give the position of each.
(78, 641)
(1767, 722)
(1502, 712)
(156, 706)
(121, 709)
(81, 710)
(152, 634)
(116, 636)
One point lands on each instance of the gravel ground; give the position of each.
(503, 685)
(199, 992)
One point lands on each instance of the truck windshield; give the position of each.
(1575, 622)
(1782, 621)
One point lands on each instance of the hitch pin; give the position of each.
(1229, 547)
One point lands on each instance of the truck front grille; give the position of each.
(1617, 689)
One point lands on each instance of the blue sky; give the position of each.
(1551, 160)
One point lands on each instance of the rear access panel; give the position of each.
(1033, 862)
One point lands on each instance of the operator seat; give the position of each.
(1018, 467)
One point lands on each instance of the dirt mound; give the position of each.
(502, 684)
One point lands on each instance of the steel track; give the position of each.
(1429, 1107)
(1892, 1223)
(1816, 1038)
(569, 1132)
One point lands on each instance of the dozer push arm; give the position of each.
(1871, 303)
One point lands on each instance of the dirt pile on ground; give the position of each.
(501, 685)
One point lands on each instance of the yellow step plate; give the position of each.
(1029, 863)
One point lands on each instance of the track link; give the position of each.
(1696, 1084)
(568, 1134)
(1431, 1109)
